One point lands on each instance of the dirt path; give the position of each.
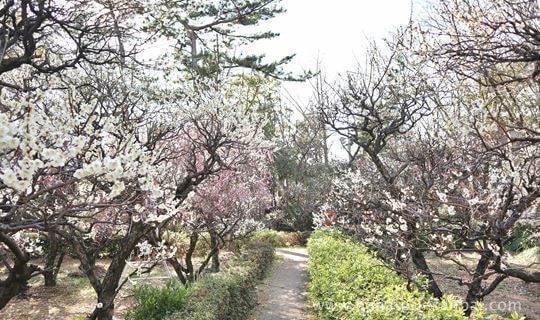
(282, 297)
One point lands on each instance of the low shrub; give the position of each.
(268, 236)
(283, 238)
(181, 241)
(156, 303)
(294, 238)
(522, 239)
(349, 282)
(229, 294)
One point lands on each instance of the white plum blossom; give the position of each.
(10, 179)
(442, 196)
(91, 169)
(117, 189)
(145, 248)
(54, 157)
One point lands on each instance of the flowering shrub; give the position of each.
(91, 174)
(349, 282)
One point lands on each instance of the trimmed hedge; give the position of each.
(229, 294)
(283, 238)
(349, 282)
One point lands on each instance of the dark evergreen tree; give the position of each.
(209, 35)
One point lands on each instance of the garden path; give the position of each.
(282, 296)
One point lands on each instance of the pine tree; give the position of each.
(209, 36)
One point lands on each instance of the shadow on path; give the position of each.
(300, 252)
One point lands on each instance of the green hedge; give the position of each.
(349, 282)
(283, 238)
(230, 294)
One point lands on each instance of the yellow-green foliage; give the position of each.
(348, 282)
(226, 295)
(181, 241)
(229, 294)
(283, 238)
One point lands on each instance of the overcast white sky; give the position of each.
(333, 31)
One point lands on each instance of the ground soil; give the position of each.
(73, 297)
(512, 295)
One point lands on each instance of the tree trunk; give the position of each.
(105, 308)
(178, 269)
(16, 282)
(54, 261)
(190, 270)
(214, 245)
(325, 145)
(103, 313)
(421, 265)
(173, 261)
(474, 293)
(19, 274)
(107, 288)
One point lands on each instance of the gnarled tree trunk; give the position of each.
(421, 265)
(108, 287)
(55, 256)
(214, 245)
(474, 294)
(19, 274)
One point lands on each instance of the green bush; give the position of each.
(229, 294)
(349, 282)
(156, 303)
(522, 239)
(181, 241)
(282, 238)
(266, 235)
